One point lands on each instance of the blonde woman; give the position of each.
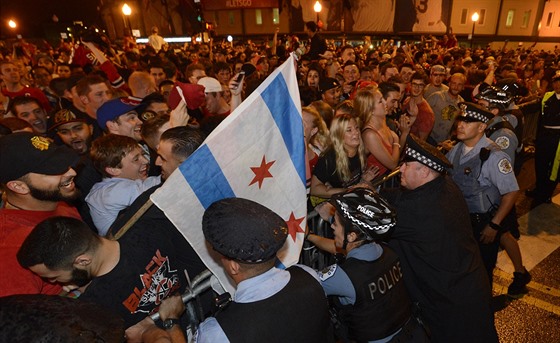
(315, 133)
(383, 145)
(343, 163)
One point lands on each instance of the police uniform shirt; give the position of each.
(496, 172)
(254, 289)
(505, 138)
(335, 281)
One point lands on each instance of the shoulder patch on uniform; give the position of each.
(327, 272)
(504, 166)
(503, 142)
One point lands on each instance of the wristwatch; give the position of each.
(170, 322)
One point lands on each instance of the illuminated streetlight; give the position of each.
(474, 18)
(317, 8)
(12, 24)
(127, 11)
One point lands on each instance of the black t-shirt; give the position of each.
(153, 258)
(325, 170)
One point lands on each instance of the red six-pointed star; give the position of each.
(261, 172)
(294, 225)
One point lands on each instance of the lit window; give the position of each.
(275, 16)
(509, 18)
(464, 16)
(526, 18)
(258, 16)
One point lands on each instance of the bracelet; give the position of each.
(397, 144)
(495, 226)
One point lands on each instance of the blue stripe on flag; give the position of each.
(205, 177)
(284, 111)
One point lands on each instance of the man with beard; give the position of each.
(130, 276)
(35, 176)
(72, 128)
(30, 110)
(445, 105)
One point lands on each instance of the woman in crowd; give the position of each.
(343, 163)
(316, 135)
(383, 145)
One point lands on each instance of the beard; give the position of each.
(54, 195)
(80, 277)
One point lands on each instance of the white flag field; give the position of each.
(257, 153)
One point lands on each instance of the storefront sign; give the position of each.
(216, 5)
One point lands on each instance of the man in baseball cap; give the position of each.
(35, 176)
(248, 235)
(330, 91)
(215, 102)
(120, 117)
(72, 128)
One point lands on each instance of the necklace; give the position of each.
(13, 206)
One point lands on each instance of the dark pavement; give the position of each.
(534, 318)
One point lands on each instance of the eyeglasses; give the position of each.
(418, 85)
(438, 74)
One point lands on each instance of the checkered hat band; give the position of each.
(424, 160)
(476, 116)
(494, 100)
(381, 227)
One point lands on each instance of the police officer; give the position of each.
(484, 174)
(547, 145)
(370, 296)
(270, 304)
(440, 259)
(501, 130)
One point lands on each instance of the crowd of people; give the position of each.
(88, 131)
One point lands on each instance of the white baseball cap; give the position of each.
(210, 84)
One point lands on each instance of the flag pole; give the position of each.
(133, 219)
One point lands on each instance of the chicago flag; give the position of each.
(257, 153)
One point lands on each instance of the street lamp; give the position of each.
(474, 18)
(127, 11)
(317, 8)
(12, 24)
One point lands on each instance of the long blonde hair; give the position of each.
(337, 131)
(364, 103)
(321, 139)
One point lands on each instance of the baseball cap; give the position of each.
(194, 95)
(210, 84)
(65, 116)
(114, 108)
(328, 83)
(25, 152)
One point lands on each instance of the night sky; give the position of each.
(34, 17)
